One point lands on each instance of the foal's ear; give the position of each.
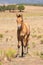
(19, 15)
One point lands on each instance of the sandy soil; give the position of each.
(8, 27)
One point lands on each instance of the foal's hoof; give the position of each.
(25, 53)
(16, 55)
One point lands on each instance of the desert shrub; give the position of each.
(2, 8)
(28, 46)
(41, 41)
(0, 63)
(10, 54)
(8, 7)
(0, 52)
(34, 35)
(35, 4)
(6, 39)
(39, 36)
(11, 7)
(37, 53)
(33, 43)
(1, 55)
(21, 7)
(41, 55)
(1, 35)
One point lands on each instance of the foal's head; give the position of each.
(19, 20)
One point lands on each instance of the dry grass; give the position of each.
(33, 16)
(0, 63)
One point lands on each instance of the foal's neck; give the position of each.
(21, 27)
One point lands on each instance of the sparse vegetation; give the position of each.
(1, 55)
(33, 43)
(37, 53)
(0, 52)
(10, 54)
(28, 46)
(39, 36)
(34, 4)
(34, 35)
(21, 7)
(1, 35)
(41, 41)
(7, 55)
(2, 8)
(8, 7)
(12, 8)
(0, 63)
(41, 55)
(6, 39)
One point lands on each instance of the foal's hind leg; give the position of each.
(26, 46)
(27, 42)
(26, 49)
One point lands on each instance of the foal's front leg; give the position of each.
(19, 48)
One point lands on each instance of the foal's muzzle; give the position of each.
(19, 26)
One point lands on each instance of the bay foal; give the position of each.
(23, 32)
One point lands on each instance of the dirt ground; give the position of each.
(33, 16)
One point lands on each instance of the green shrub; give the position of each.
(0, 63)
(2, 8)
(10, 54)
(0, 52)
(28, 46)
(21, 7)
(41, 55)
(1, 35)
(1, 55)
(11, 7)
(8, 7)
(41, 41)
